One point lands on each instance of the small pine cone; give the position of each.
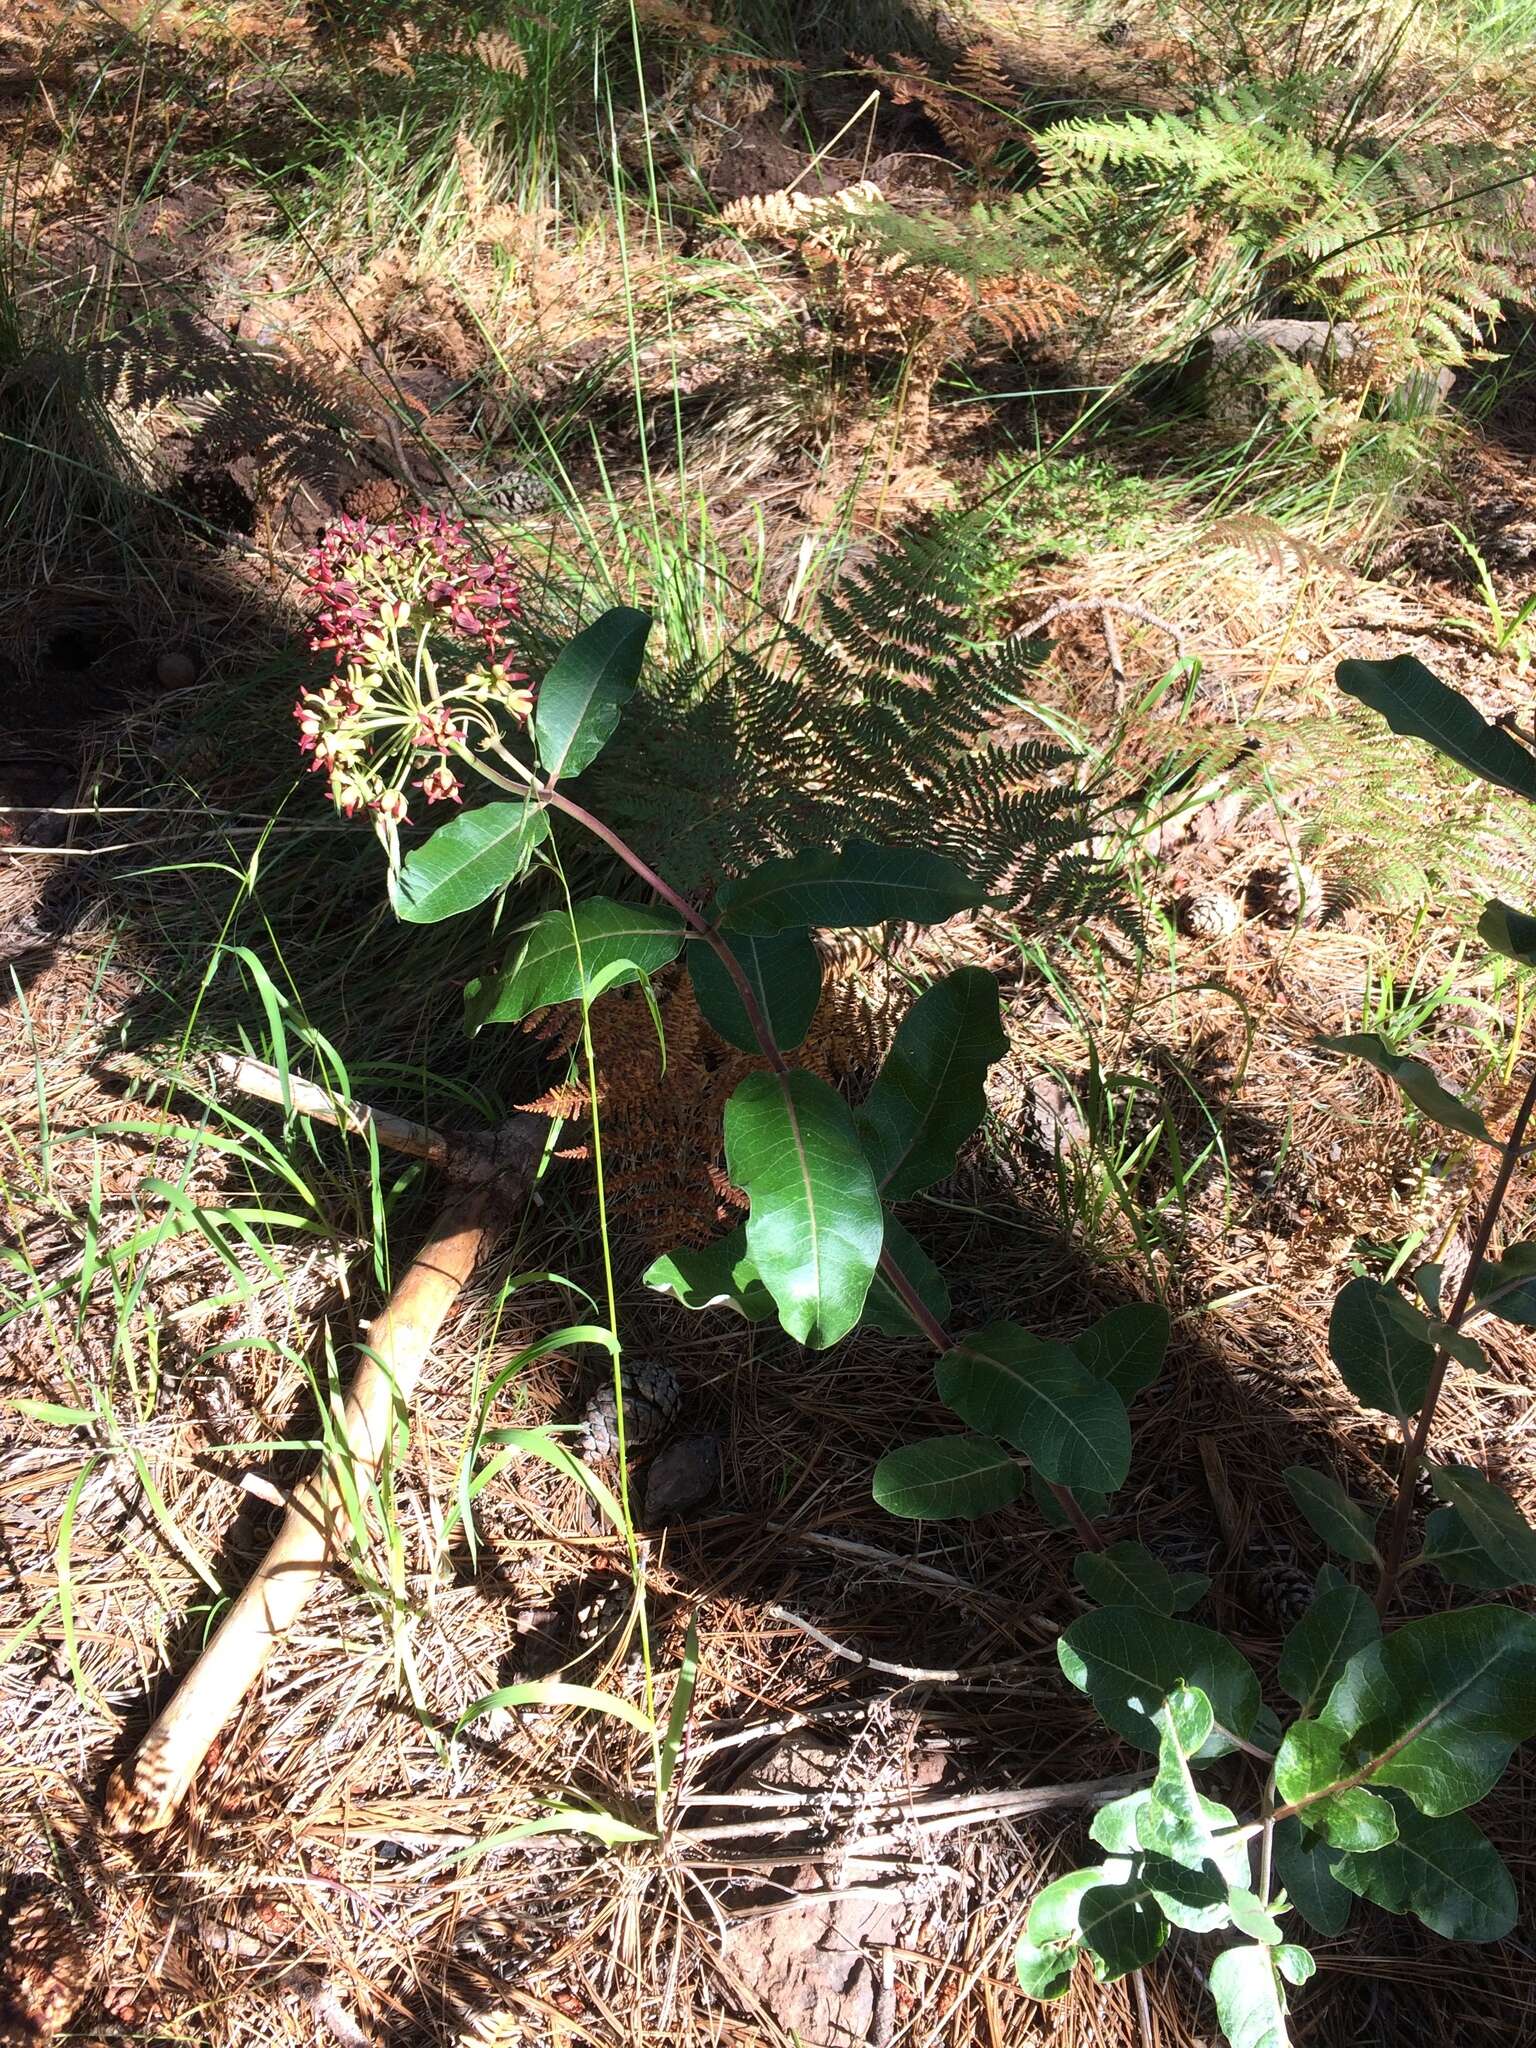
(517, 492)
(652, 1398)
(1209, 914)
(45, 1965)
(1282, 1592)
(1292, 894)
(377, 499)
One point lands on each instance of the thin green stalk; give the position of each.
(1413, 1450)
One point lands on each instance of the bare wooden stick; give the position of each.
(145, 1792)
(1104, 606)
(464, 1153)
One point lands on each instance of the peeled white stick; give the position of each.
(144, 1793)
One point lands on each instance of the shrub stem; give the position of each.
(1413, 1449)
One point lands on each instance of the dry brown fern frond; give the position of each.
(791, 216)
(664, 1165)
(1275, 547)
(674, 18)
(964, 108)
(1024, 308)
(498, 51)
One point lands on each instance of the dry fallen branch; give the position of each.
(144, 1793)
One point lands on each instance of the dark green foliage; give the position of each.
(875, 725)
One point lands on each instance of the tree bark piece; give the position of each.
(144, 1793)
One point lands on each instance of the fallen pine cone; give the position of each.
(652, 1398)
(45, 1965)
(1209, 914)
(1290, 895)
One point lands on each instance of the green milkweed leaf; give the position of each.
(1414, 702)
(1451, 1547)
(947, 1478)
(1035, 1393)
(1043, 1973)
(884, 1310)
(1125, 1575)
(929, 1095)
(1250, 2000)
(1492, 1520)
(467, 860)
(1513, 1280)
(720, 1274)
(1122, 1927)
(1055, 1517)
(1128, 1661)
(815, 1227)
(1312, 1759)
(1126, 1347)
(1173, 1822)
(1443, 1870)
(1376, 1340)
(784, 970)
(1439, 1705)
(1333, 1516)
(863, 884)
(569, 955)
(1340, 1621)
(1418, 1081)
(1304, 1866)
(580, 699)
(1508, 931)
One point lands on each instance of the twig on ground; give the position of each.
(918, 1674)
(1104, 606)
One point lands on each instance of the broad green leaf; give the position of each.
(1173, 1823)
(1509, 931)
(1414, 702)
(1418, 1081)
(815, 1227)
(1513, 1280)
(784, 970)
(1250, 2000)
(1122, 1927)
(1451, 1547)
(863, 884)
(1035, 1393)
(569, 955)
(1126, 1347)
(1194, 1900)
(1340, 1621)
(593, 678)
(467, 860)
(947, 1478)
(1333, 1516)
(1189, 1589)
(1297, 1965)
(1304, 1866)
(1491, 1518)
(1116, 1826)
(884, 1310)
(1439, 1705)
(1043, 1973)
(1382, 1357)
(1444, 1871)
(1125, 1575)
(1252, 1917)
(718, 1275)
(1311, 1759)
(929, 1095)
(1459, 1345)
(1128, 1662)
(1092, 1504)
(1055, 1914)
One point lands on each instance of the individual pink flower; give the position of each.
(441, 786)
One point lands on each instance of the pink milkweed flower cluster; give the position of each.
(418, 623)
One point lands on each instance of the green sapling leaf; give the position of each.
(947, 1478)
(580, 699)
(1333, 1516)
(1414, 702)
(815, 1227)
(1036, 1394)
